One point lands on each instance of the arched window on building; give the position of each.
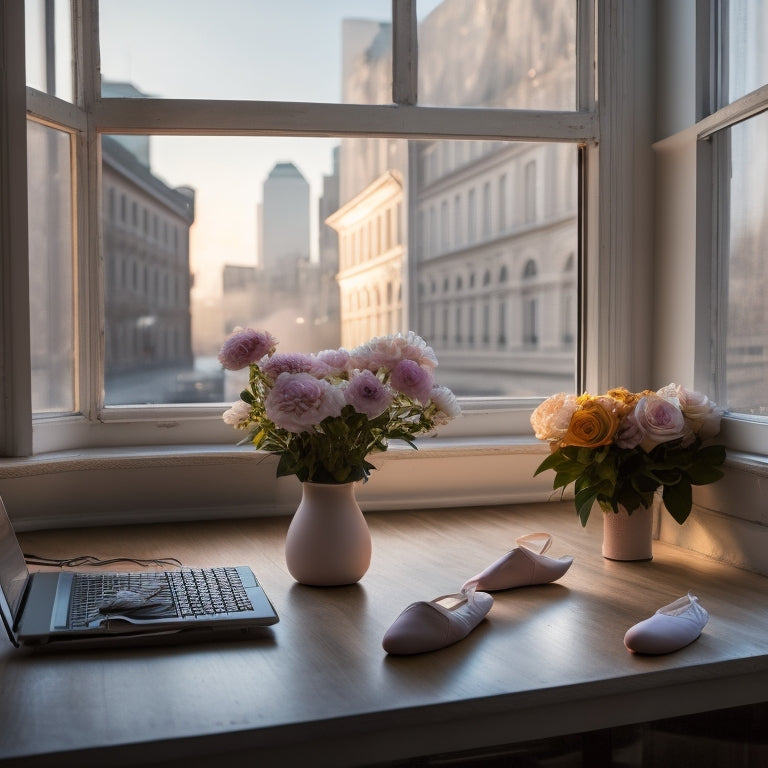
(530, 305)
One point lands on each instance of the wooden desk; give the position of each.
(317, 689)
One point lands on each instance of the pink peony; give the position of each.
(412, 380)
(287, 362)
(337, 360)
(245, 346)
(299, 401)
(660, 421)
(550, 420)
(385, 352)
(366, 394)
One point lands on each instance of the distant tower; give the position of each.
(284, 227)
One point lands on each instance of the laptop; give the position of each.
(76, 606)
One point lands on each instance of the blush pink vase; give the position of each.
(328, 543)
(628, 537)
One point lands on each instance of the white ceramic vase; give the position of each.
(628, 536)
(328, 542)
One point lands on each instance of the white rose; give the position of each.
(702, 415)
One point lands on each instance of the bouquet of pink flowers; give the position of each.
(325, 413)
(620, 447)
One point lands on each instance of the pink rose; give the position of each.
(299, 401)
(660, 420)
(629, 434)
(245, 346)
(412, 380)
(367, 395)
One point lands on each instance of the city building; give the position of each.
(284, 229)
(147, 273)
(489, 244)
(371, 260)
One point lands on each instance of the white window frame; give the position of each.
(689, 220)
(616, 236)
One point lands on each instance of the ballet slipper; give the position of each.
(524, 566)
(429, 626)
(669, 629)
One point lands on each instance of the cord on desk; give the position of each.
(75, 562)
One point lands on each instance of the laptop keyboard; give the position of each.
(152, 594)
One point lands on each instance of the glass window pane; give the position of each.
(747, 331)
(48, 41)
(502, 53)
(311, 239)
(51, 269)
(294, 50)
(747, 55)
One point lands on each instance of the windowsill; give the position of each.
(97, 486)
(154, 483)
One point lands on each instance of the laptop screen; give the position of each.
(13, 568)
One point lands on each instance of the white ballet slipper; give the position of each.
(669, 629)
(429, 626)
(523, 566)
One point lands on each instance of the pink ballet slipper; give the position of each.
(669, 629)
(429, 626)
(524, 566)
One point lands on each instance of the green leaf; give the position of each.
(585, 500)
(551, 462)
(703, 474)
(712, 454)
(678, 500)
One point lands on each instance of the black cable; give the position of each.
(76, 562)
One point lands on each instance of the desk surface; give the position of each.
(548, 660)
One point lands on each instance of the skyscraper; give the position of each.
(284, 227)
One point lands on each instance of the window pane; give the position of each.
(747, 333)
(50, 269)
(49, 46)
(501, 53)
(293, 50)
(747, 58)
(311, 239)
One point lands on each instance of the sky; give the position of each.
(233, 49)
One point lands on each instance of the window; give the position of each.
(719, 232)
(358, 149)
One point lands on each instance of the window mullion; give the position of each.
(585, 55)
(618, 271)
(181, 117)
(404, 52)
(87, 162)
(15, 366)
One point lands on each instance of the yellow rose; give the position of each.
(625, 400)
(592, 424)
